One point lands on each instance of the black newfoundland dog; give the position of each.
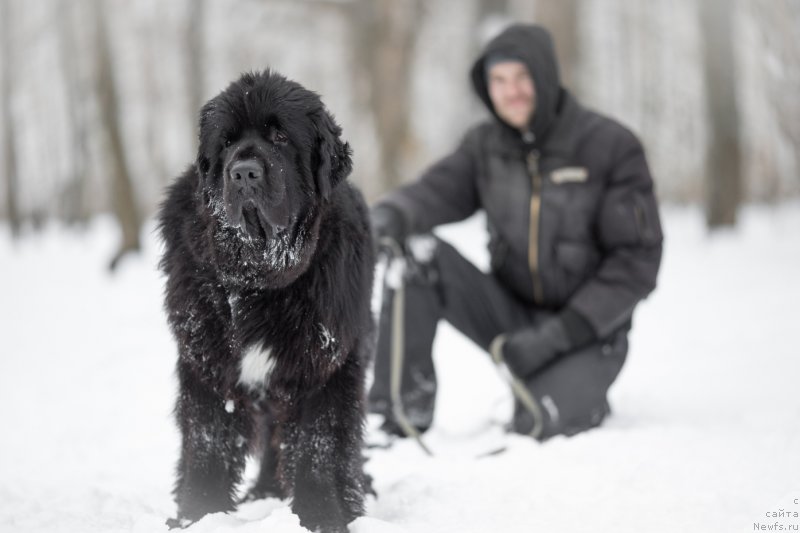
(269, 265)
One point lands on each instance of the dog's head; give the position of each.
(269, 154)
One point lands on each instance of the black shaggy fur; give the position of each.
(268, 252)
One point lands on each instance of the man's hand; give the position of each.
(388, 222)
(527, 350)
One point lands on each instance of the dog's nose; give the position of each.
(246, 170)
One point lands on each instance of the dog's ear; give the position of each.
(202, 163)
(332, 157)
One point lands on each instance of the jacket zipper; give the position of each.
(533, 239)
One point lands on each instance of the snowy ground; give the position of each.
(704, 437)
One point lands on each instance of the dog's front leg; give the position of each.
(214, 443)
(328, 473)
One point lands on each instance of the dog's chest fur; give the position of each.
(255, 367)
(274, 333)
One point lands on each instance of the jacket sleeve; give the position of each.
(446, 192)
(629, 234)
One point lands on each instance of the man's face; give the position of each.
(512, 93)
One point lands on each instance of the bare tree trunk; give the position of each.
(384, 48)
(492, 15)
(723, 160)
(788, 20)
(122, 195)
(151, 77)
(195, 40)
(779, 24)
(560, 17)
(73, 200)
(492, 8)
(9, 147)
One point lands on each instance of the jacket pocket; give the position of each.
(648, 225)
(575, 263)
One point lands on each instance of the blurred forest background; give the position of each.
(99, 98)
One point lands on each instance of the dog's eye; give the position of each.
(226, 142)
(280, 137)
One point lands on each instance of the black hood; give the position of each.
(533, 45)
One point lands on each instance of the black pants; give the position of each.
(571, 391)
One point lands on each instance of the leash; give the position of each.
(397, 360)
(398, 344)
(517, 387)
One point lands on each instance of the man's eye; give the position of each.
(280, 137)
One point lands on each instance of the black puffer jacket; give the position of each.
(572, 215)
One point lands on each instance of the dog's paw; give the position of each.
(178, 523)
(334, 529)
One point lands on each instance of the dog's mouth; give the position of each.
(255, 222)
(252, 222)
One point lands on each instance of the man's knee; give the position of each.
(570, 394)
